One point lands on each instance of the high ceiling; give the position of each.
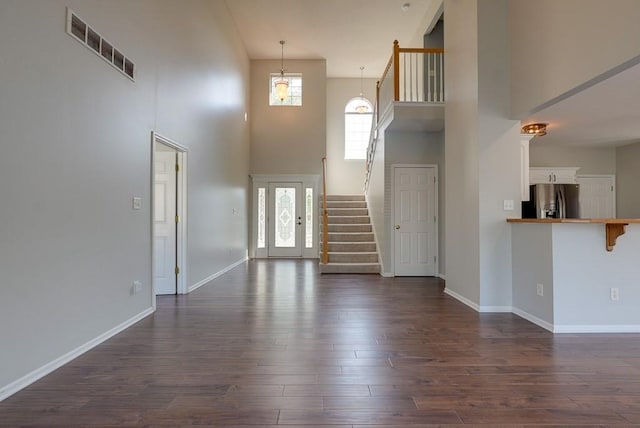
(347, 33)
(354, 33)
(606, 114)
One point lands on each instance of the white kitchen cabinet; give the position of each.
(556, 175)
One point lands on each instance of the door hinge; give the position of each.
(177, 219)
(434, 180)
(434, 259)
(612, 188)
(177, 270)
(177, 167)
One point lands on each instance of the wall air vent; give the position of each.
(79, 30)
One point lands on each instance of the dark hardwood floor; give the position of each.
(274, 343)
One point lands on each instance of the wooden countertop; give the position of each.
(575, 220)
(614, 227)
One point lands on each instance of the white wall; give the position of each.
(577, 274)
(590, 160)
(558, 45)
(202, 96)
(288, 139)
(76, 148)
(532, 256)
(482, 154)
(413, 148)
(433, 14)
(627, 179)
(344, 176)
(498, 155)
(583, 274)
(461, 150)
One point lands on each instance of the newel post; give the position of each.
(396, 71)
(377, 101)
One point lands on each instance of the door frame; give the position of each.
(391, 228)
(181, 211)
(263, 180)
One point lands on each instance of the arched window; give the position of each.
(357, 127)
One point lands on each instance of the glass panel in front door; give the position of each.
(285, 199)
(285, 202)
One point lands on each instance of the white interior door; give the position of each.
(597, 196)
(285, 220)
(164, 217)
(415, 207)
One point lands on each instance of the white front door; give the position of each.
(285, 219)
(597, 196)
(414, 213)
(164, 217)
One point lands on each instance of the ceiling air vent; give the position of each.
(79, 30)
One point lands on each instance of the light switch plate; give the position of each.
(136, 203)
(508, 204)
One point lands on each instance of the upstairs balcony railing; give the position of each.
(412, 75)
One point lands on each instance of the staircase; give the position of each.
(352, 247)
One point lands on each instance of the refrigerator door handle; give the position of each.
(562, 209)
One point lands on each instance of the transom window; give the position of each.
(294, 96)
(357, 128)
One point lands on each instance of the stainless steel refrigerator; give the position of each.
(555, 200)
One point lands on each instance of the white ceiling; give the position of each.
(347, 33)
(606, 114)
(354, 33)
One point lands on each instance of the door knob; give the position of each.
(397, 226)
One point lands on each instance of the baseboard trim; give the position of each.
(533, 319)
(496, 309)
(26, 380)
(475, 306)
(620, 328)
(462, 299)
(441, 276)
(387, 274)
(216, 275)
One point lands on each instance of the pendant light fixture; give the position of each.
(363, 107)
(282, 84)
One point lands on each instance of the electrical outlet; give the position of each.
(136, 287)
(615, 294)
(540, 290)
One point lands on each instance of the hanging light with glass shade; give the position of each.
(363, 106)
(282, 84)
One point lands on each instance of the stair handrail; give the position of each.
(393, 74)
(325, 215)
(371, 146)
(388, 90)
